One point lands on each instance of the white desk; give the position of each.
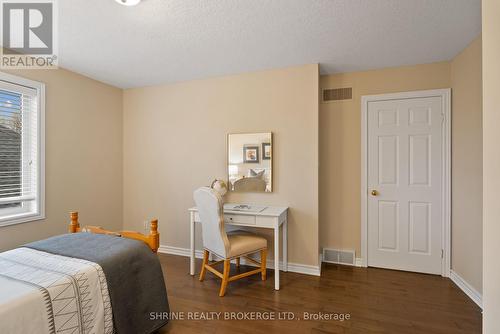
(270, 218)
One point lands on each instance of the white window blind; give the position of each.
(21, 178)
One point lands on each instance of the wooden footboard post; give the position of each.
(74, 226)
(154, 236)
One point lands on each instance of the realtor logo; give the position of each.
(28, 34)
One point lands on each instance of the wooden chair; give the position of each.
(227, 246)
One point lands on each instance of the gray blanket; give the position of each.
(135, 280)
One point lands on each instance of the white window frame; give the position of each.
(39, 213)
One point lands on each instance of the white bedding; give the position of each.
(45, 293)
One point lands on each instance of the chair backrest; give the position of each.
(210, 209)
(250, 184)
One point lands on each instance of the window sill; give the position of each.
(20, 219)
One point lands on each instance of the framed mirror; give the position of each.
(250, 162)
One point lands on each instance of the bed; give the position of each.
(97, 282)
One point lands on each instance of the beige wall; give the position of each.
(491, 168)
(340, 144)
(174, 142)
(467, 164)
(83, 156)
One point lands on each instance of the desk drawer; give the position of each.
(239, 219)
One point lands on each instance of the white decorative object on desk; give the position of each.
(220, 187)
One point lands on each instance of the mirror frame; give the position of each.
(272, 161)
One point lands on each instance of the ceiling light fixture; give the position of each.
(128, 2)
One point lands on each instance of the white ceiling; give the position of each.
(165, 41)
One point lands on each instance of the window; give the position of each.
(21, 150)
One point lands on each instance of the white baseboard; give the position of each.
(292, 267)
(359, 262)
(179, 251)
(467, 288)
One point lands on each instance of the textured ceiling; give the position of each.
(165, 41)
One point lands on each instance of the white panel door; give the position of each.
(405, 188)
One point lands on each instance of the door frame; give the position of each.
(445, 95)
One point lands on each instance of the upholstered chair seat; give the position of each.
(242, 243)
(229, 246)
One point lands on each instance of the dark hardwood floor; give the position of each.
(377, 301)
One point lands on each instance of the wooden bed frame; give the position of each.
(152, 239)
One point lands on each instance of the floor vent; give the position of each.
(339, 256)
(337, 94)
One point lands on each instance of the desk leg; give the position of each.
(277, 257)
(192, 260)
(285, 245)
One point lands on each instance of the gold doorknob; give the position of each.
(374, 193)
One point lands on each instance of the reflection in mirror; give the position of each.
(250, 162)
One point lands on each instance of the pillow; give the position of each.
(254, 173)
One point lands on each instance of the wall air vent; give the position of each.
(336, 94)
(339, 256)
